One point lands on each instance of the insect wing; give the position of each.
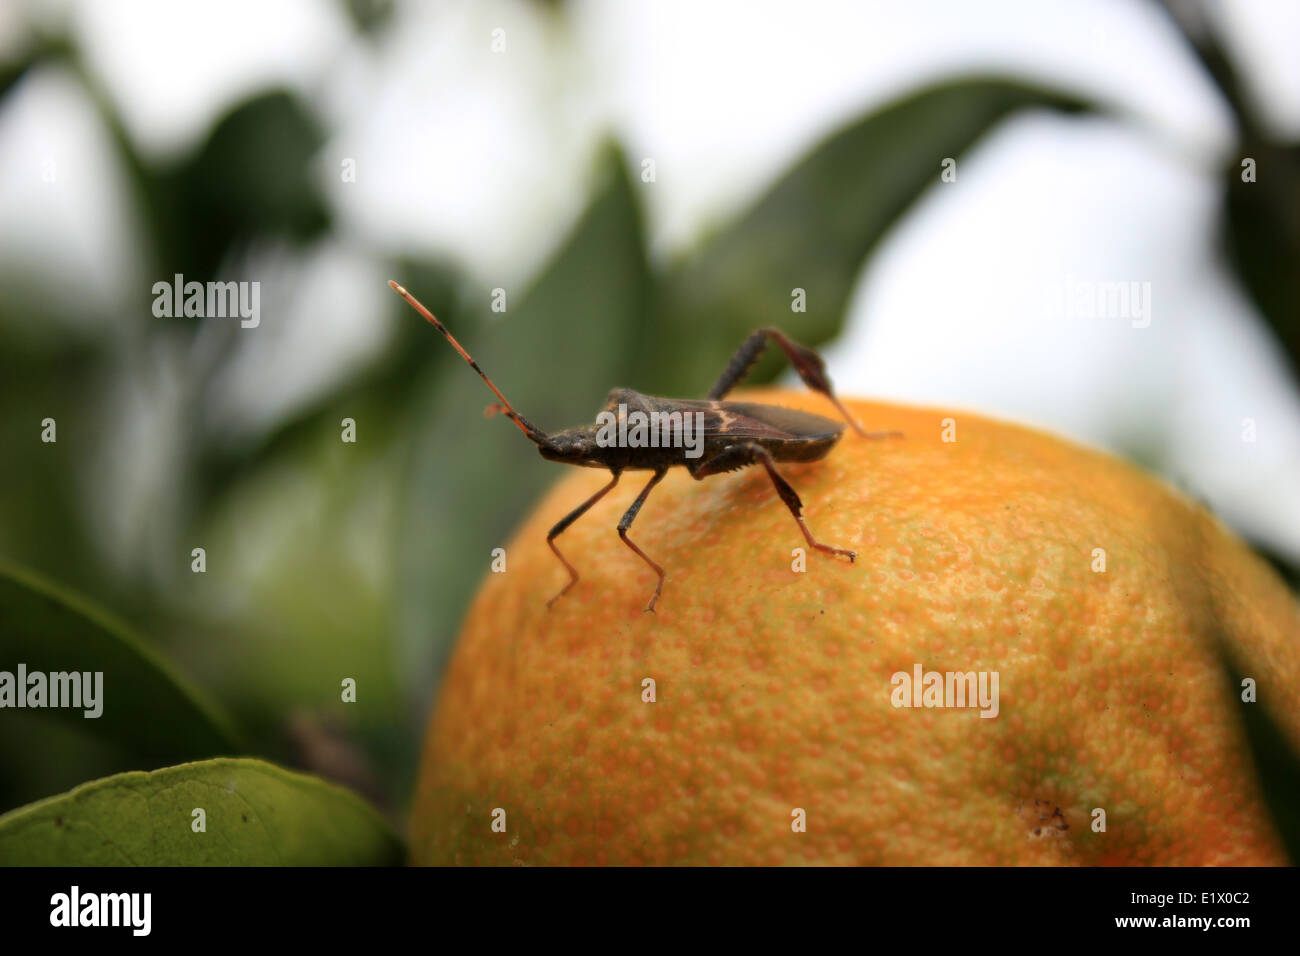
(757, 421)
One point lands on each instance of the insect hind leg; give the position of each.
(804, 360)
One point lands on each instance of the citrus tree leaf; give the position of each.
(250, 179)
(147, 710)
(1261, 228)
(815, 226)
(254, 814)
(578, 330)
(1275, 759)
(1261, 233)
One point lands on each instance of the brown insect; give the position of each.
(707, 437)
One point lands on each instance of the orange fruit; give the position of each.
(773, 735)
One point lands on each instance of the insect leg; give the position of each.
(806, 362)
(563, 523)
(740, 364)
(738, 456)
(628, 517)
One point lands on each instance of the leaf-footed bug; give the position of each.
(730, 435)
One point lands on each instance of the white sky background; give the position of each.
(724, 96)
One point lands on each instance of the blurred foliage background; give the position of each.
(328, 560)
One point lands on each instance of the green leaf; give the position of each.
(577, 332)
(255, 814)
(148, 711)
(816, 225)
(251, 179)
(1262, 237)
(1275, 759)
(1261, 231)
(370, 16)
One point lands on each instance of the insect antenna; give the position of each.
(528, 428)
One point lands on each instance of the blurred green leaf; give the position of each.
(1262, 234)
(307, 540)
(588, 311)
(252, 178)
(39, 46)
(316, 522)
(369, 16)
(257, 814)
(148, 711)
(1275, 759)
(385, 386)
(42, 516)
(555, 353)
(814, 228)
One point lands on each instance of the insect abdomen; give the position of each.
(800, 449)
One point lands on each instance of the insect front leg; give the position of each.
(806, 362)
(628, 517)
(563, 523)
(749, 453)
